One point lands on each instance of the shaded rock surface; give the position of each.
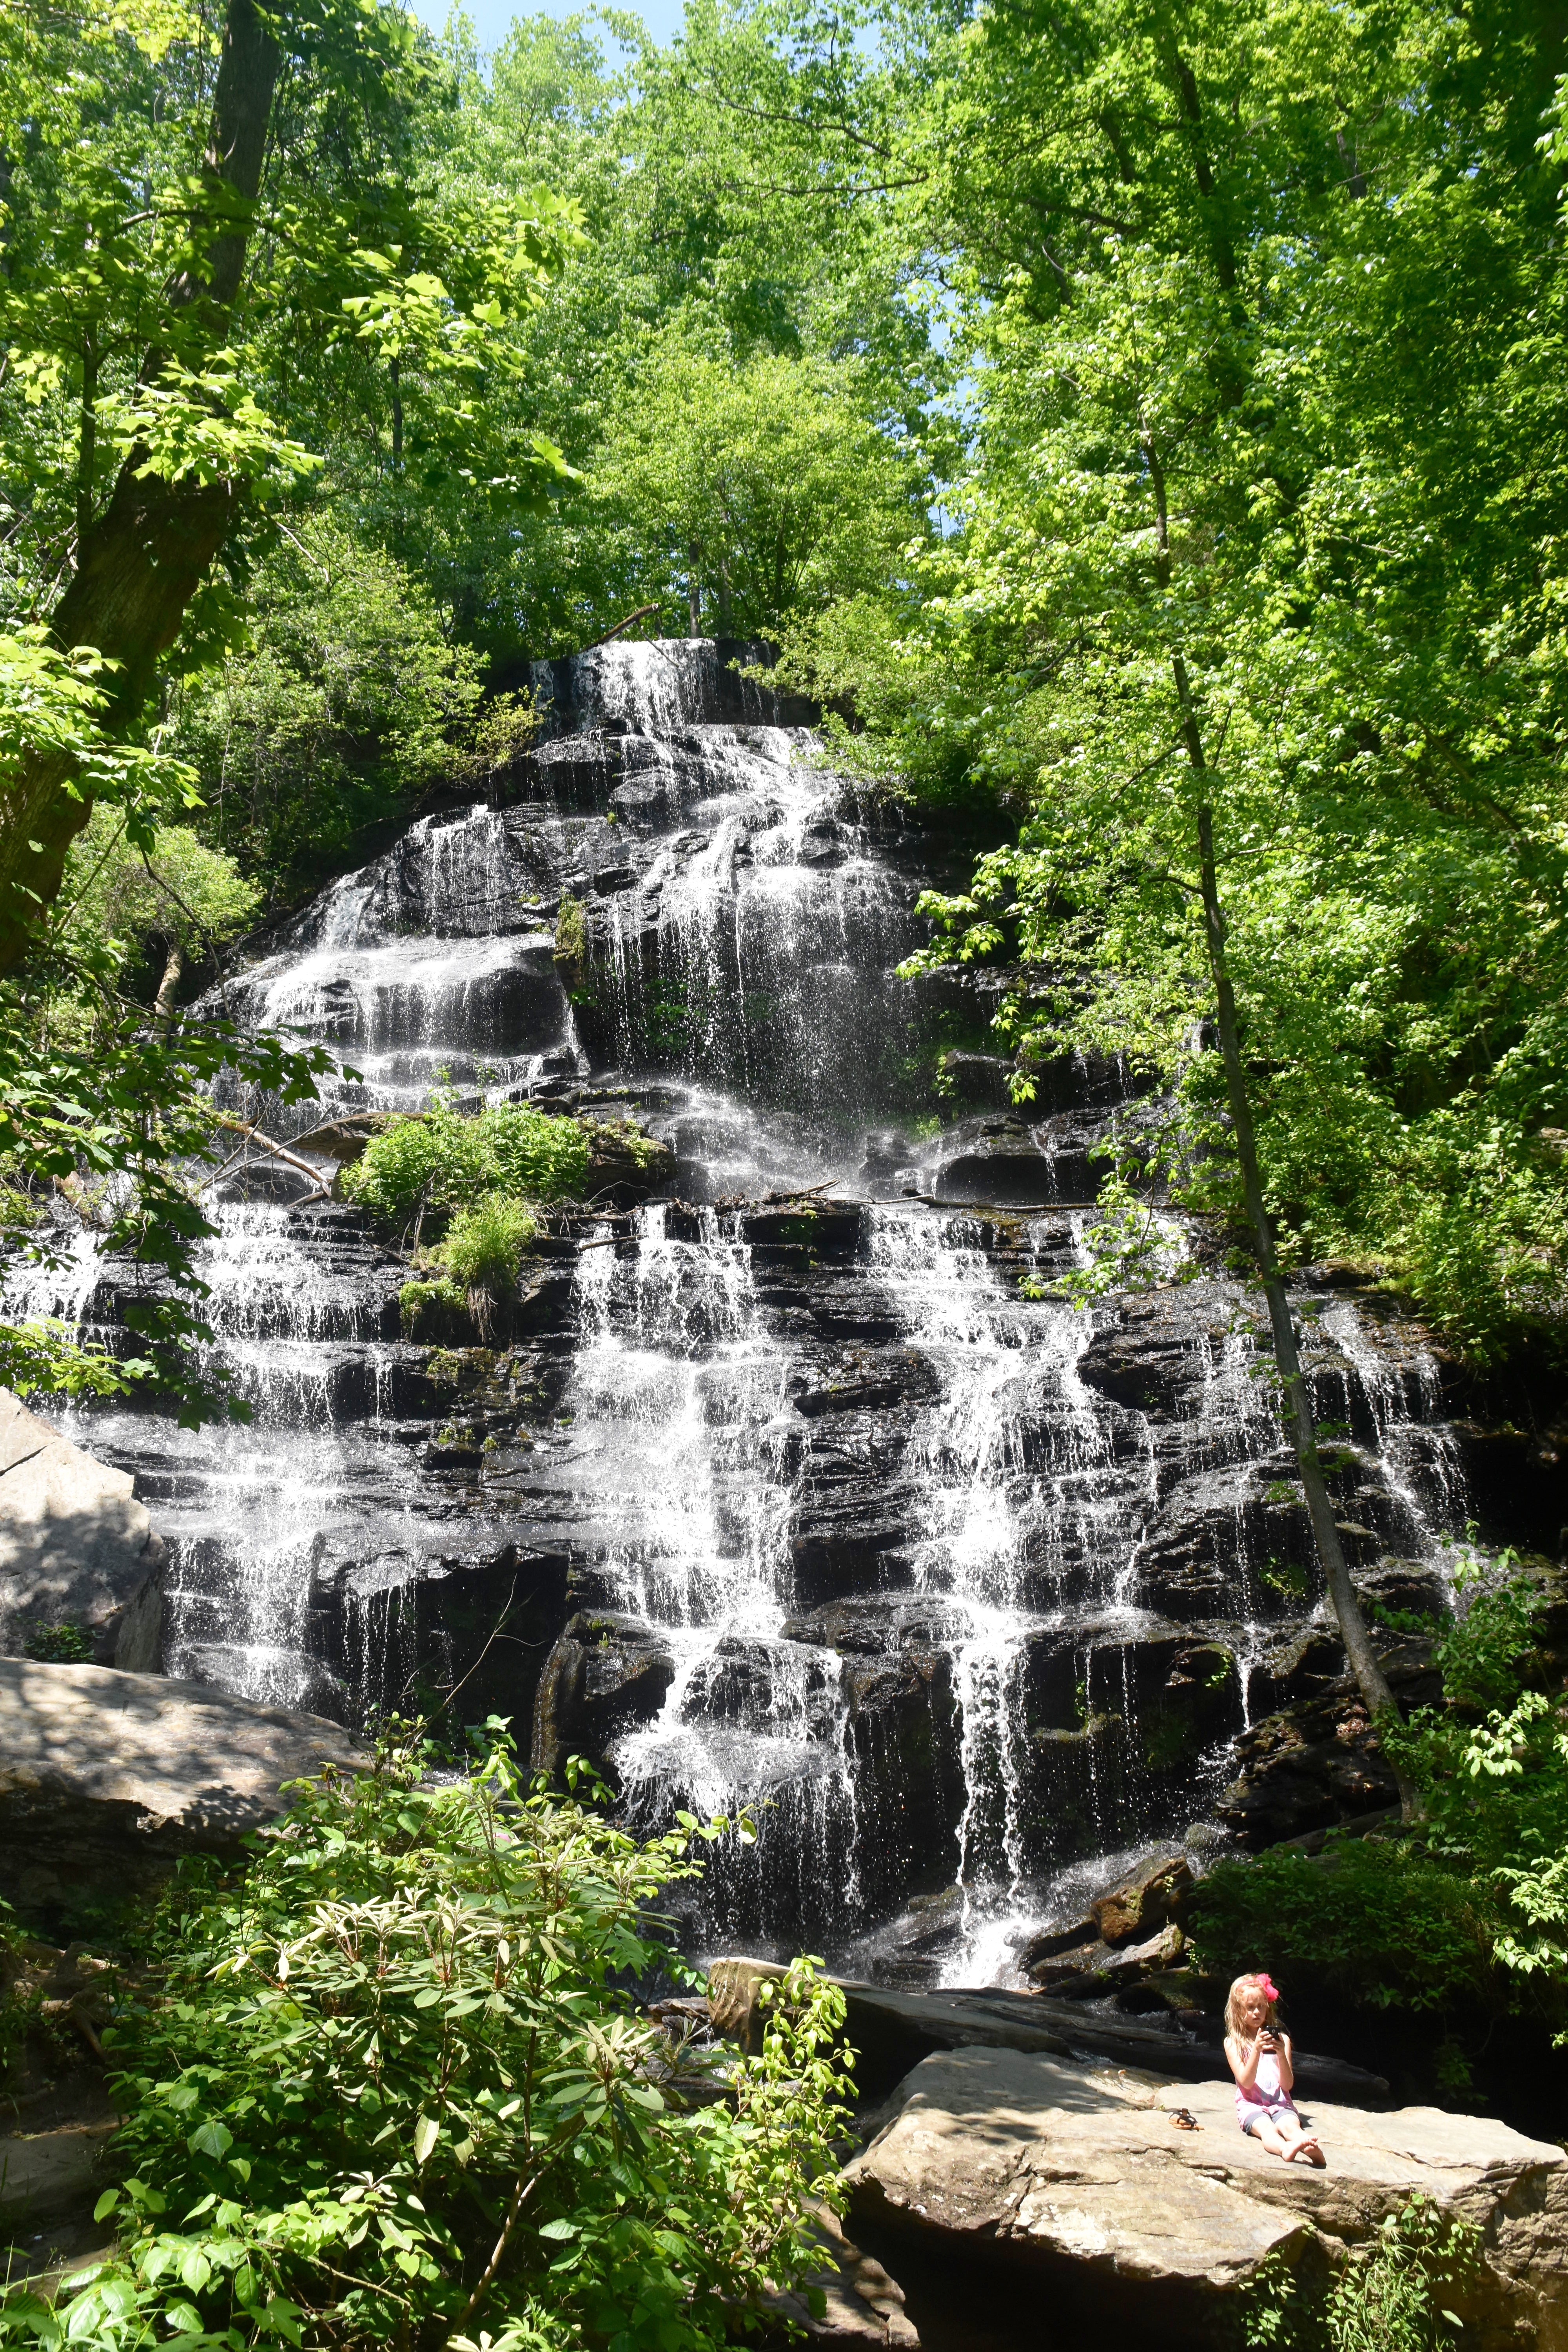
(893, 2029)
(107, 1779)
(53, 2145)
(1076, 2173)
(77, 1548)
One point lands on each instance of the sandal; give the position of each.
(1184, 2119)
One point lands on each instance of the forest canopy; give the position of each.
(1128, 422)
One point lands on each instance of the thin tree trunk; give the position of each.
(1363, 1659)
(174, 971)
(693, 594)
(87, 441)
(147, 554)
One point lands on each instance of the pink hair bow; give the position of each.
(1267, 1986)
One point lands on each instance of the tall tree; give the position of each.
(1246, 614)
(186, 359)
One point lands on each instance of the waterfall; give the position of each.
(805, 1493)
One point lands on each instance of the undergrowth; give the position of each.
(1465, 1909)
(1396, 2296)
(394, 2087)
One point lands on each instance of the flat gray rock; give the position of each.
(107, 1779)
(1076, 2172)
(76, 1546)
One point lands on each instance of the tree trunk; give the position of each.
(148, 554)
(693, 594)
(87, 441)
(173, 971)
(1370, 1677)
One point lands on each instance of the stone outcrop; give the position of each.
(52, 2147)
(862, 2304)
(735, 2007)
(893, 2030)
(107, 1779)
(1075, 2175)
(77, 1549)
(604, 1674)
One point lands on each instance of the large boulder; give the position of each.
(108, 1778)
(1075, 2175)
(77, 1549)
(1153, 1891)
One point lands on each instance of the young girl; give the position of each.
(1260, 2057)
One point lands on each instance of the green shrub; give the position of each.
(44, 1356)
(396, 2089)
(1470, 1902)
(484, 1244)
(1378, 1923)
(1394, 2297)
(571, 935)
(421, 1305)
(420, 1169)
(60, 1645)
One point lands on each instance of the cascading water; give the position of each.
(799, 1501)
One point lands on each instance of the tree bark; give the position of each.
(87, 441)
(1362, 1657)
(174, 970)
(145, 558)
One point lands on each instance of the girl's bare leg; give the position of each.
(1267, 2135)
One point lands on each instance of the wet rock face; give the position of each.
(605, 1673)
(799, 1486)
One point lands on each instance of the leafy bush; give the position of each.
(1378, 1923)
(421, 1169)
(421, 1305)
(341, 704)
(1394, 2298)
(484, 1244)
(60, 1645)
(44, 1356)
(394, 2091)
(179, 892)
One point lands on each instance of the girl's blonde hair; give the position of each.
(1232, 2005)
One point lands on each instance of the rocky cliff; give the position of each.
(797, 1485)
